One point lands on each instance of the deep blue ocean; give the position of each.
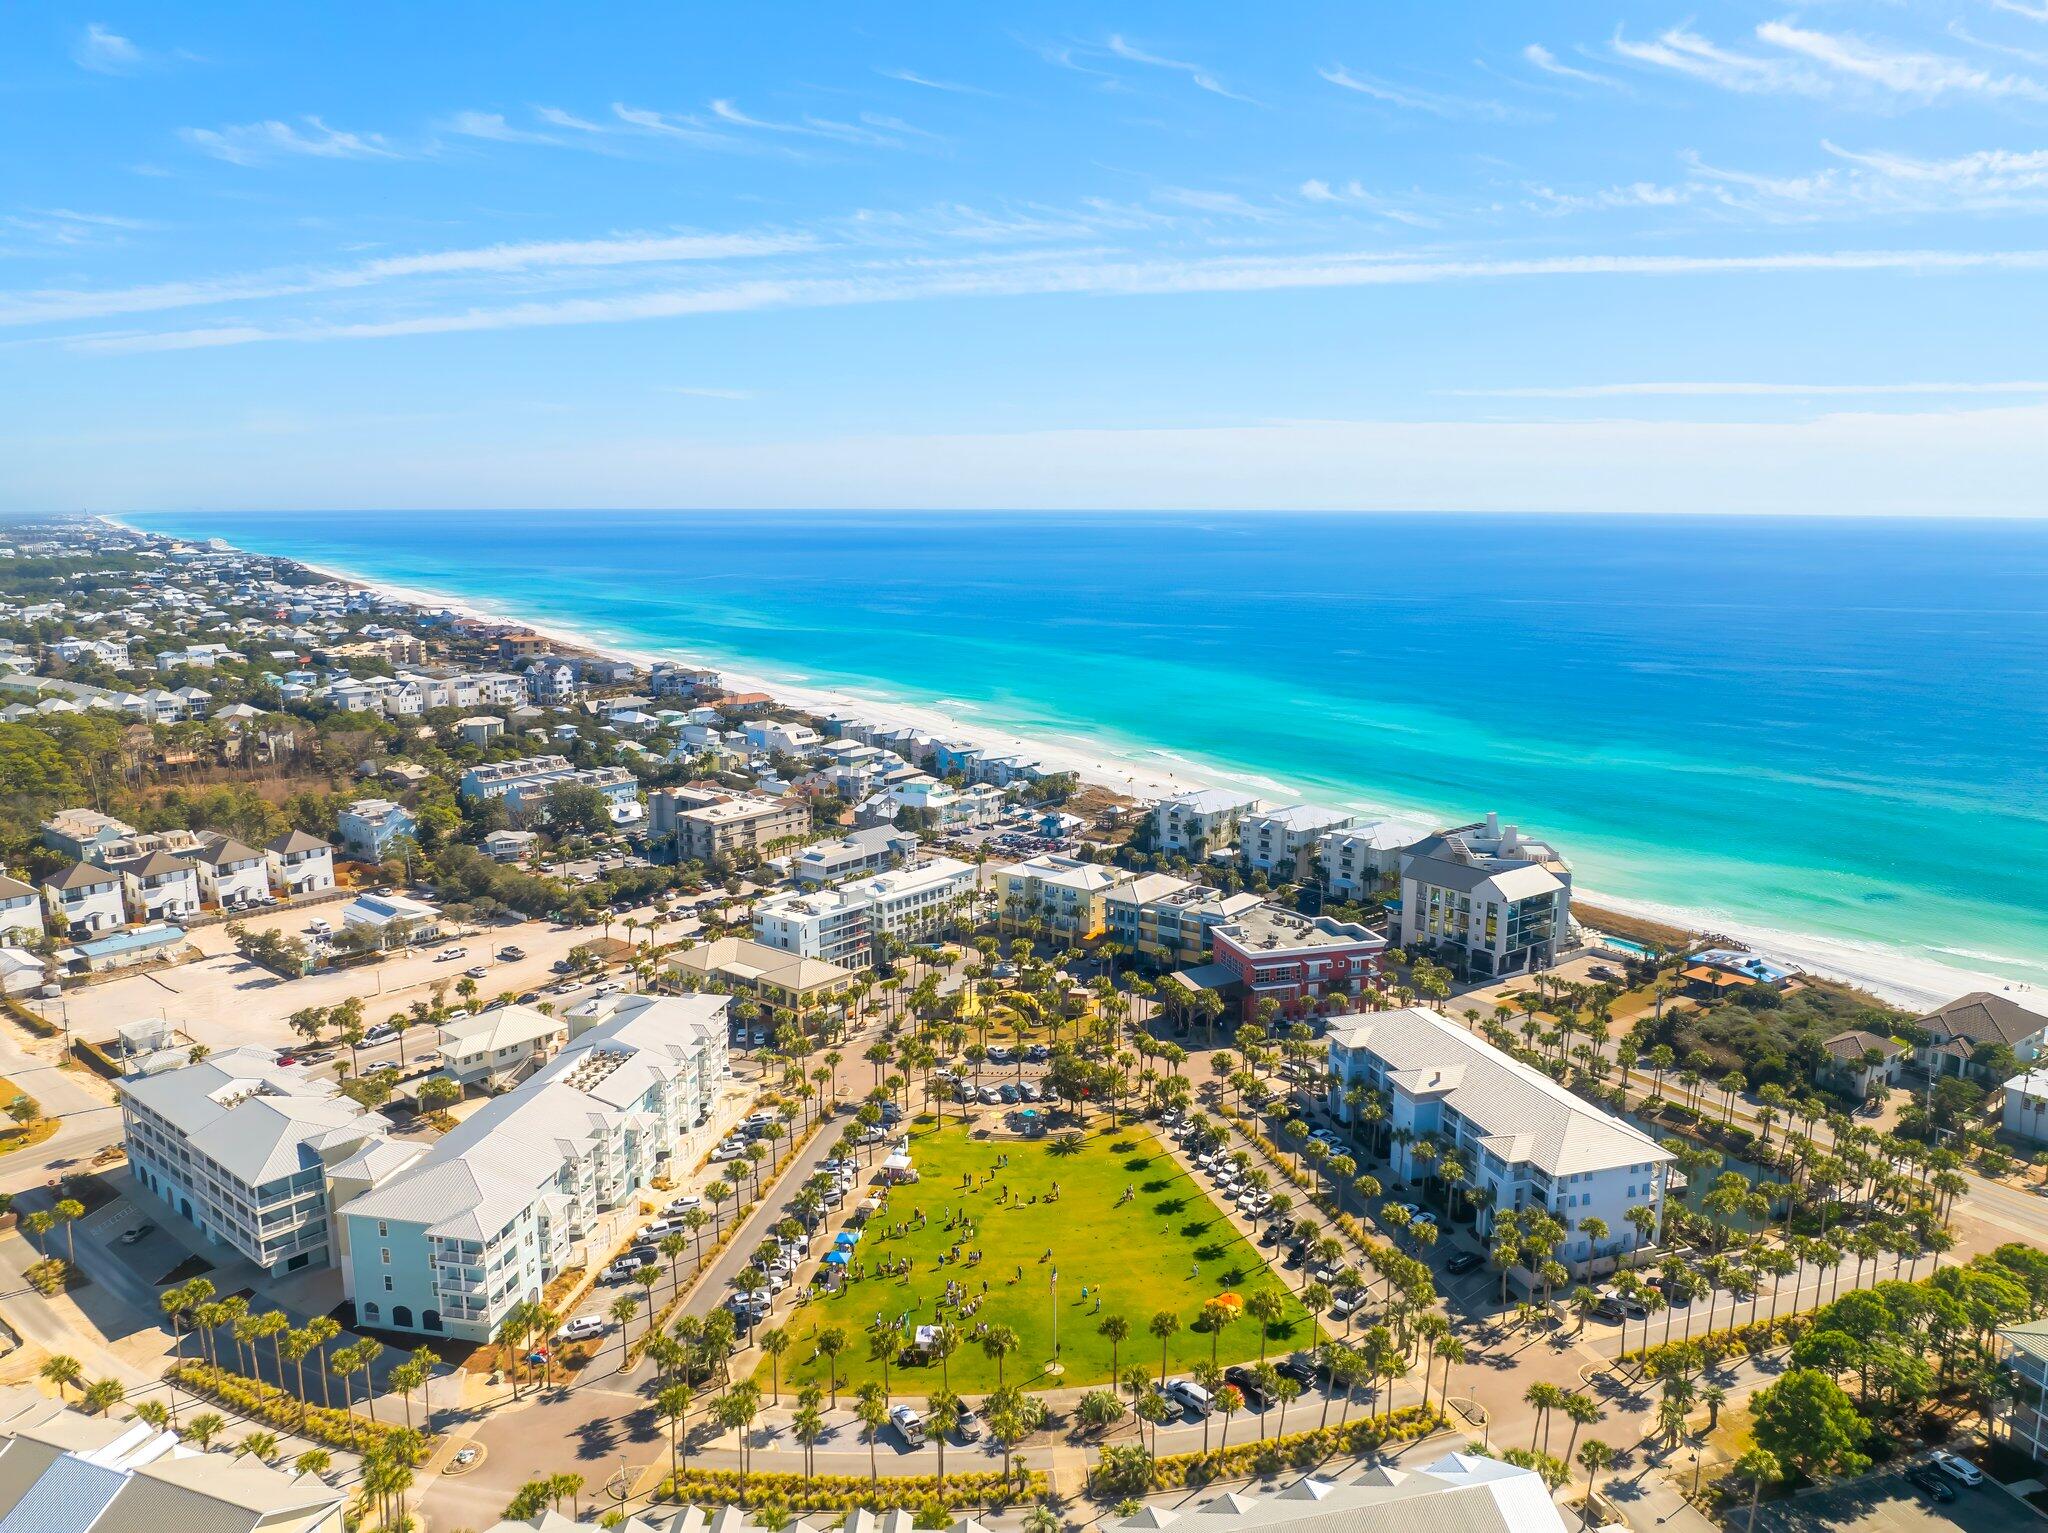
(1835, 727)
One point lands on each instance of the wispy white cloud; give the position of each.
(1542, 58)
(258, 143)
(1685, 52)
(1750, 390)
(1903, 71)
(69, 228)
(1062, 274)
(106, 52)
(1353, 194)
(1197, 74)
(1636, 194)
(1202, 200)
(58, 305)
(1432, 102)
(951, 87)
(812, 127)
(2033, 10)
(493, 126)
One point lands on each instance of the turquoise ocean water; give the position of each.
(1818, 726)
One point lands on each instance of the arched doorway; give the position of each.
(401, 1317)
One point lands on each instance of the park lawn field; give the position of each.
(1169, 1248)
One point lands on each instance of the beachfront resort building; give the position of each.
(241, 1148)
(1170, 918)
(1487, 900)
(1293, 960)
(1198, 823)
(518, 1190)
(1067, 895)
(1525, 1141)
(853, 923)
(1283, 842)
(1357, 861)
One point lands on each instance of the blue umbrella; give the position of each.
(846, 1238)
(835, 1258)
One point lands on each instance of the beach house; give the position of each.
(369, 827)
(85, 900)
(1958, 1036)
(1486, 899)
(300, 864)
(1523, 1140)
(232, 876)
(21, 911)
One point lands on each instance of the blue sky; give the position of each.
(1727, 258)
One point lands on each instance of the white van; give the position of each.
(1191, 1397)
(583, 1328)
(908, 1424)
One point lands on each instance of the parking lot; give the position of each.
(1886, 1503)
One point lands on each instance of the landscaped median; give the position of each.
(1131, 1471)
(272, 1406)
(845, 1492)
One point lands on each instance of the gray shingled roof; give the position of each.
(1984, 1016)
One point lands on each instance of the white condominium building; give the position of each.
(1201, 822)
(1284, 841)
(1524, 1141)
(241, 1148)
(846, 925)
(1357, 859)
(1068, 894)
(1488, 899)
(506, 1199)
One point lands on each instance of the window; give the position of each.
(387, 1288)
(385, 1255)
(383, 1229)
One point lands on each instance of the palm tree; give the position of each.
(62, 1370)
(204, 1428)
(1164, 1326)
(323, 1329)
(872, 1410)
(1593, 1458)
(775, 1342)
(314, 1462)
(673, 1406)
(832, 1342)
(261, 1446)
(102, 1395)
(1117, 1330)
(998, 1342)
(69, 1210)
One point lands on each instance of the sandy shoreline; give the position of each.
(1903, 978)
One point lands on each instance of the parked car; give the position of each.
(583, 1328)
(1191, 1397)
(1347, 1304)
(1464, 1262)
(967, 1426)
(1930, 1480)
(511, 954)
(908, 1424)
(377, 1032)
(450, 954)
(1298, 1366)
(683, 1205)
(477, 971)
(1956, 1467)
(1248, 1385)
(136, 1236)
(622, 1270)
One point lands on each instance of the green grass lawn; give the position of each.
(1170, 1248)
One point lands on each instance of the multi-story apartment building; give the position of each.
(865, 851)
(82, 833)
(160, 886)
(507, 1198)
(498, 1044)
(241, 1148)
(1524, 1140)
(849, 925)
(300, 864)
(1295, 960)
(1170, 918)
(370, 826)
(742, 822)
(944, 806)
(1358, 860)
(1067, 894)
(1198, 823)
(1284, 841)
(525, 785)
(1490, 900)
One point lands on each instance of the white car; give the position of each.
(1957, 1468)
(683, 1205)
(583, 1328)
(450, 954)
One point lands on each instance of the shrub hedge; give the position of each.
(1124, 1472)
(263, 1402)
(845, 1492)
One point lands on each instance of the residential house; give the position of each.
(240, 1147)
(2021, 1412)
(370, 826)
(510, 845)
(21, 911)
(1857, 1060)
(300, 864)
(1487, 900)
(865, 851)
(480, 729)
(1523, 1139)
(498, 1044)
(1284, 842)
(232, 876)
(85, 901)
(526, 785)
(1959, 1033)
(81, 833)
(1201, 822)
(779, 738)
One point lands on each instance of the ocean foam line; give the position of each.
(1903, 976)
